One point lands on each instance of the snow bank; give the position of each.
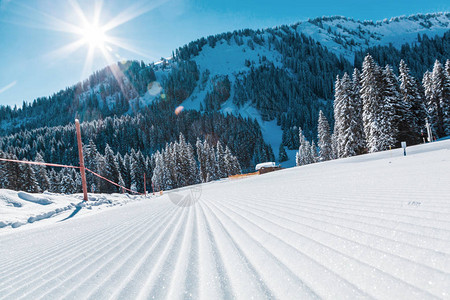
(20, 208)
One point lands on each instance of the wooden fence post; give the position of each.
(80, 153)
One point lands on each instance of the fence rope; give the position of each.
(100, 176)
(67, 166)
(38, 163)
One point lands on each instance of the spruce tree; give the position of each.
(413, 114)
(304, 155)
(324, 138)
(41, 174)
(437, 98)
(357, 113)
(111, 171)
(374, 118)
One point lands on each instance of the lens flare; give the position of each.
(178, 110)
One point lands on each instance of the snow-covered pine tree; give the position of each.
(111, 171)
(137, 170)
(338, 126)
(446, 98)
(373, 116)
(193, 176)
(3, 172)
(27, 180)
(67, 184)
(391, 102)
(437, 98)
(220, 161)
(41, 174)
(413, 115)
(429, 103)
(348, 143)
(55, 182)
(158, 172)
(168, 175)
(357, 113)
(201, 156)
(314, 156)
(303, 156)
(211, 164)
(91, 161)
(324, 138)
(125, 170)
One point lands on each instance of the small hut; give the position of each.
(267, 167)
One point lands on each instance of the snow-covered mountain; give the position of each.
(345, 35)
(281, 77)
(235, 57)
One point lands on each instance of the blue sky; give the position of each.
(31, 31)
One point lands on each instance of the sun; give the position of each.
(93, 31)
(94, 36)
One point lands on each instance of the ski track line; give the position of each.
(213, 277)
(364, 269)
(329, 285)
(170, 278)
(38, 263)
(128, 270)
(266, 291)
(247, 284)
(274, 272)
(102, 274)
(192, 280)
(430, 219)
(86, 275)
(425, 253)
(370, 255)
(135, 280)
(32, 254)
(53, 249)
(391, 203)
(365, 214)
(355, 219)
(49, 251)
(409, 228)
(69, 267)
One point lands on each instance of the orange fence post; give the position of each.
(80, 153)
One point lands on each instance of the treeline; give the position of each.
(419, 57)
(175, 166)
(376, 110)
(143, 134)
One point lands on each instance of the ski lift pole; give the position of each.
(80, 154)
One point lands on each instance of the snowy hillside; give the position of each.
(234, 58)
(371, 226)
(345, 36)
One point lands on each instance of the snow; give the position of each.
(397, 31)
(372, 226)
(20, 208)
(269, 164)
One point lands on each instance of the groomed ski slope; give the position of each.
(373, 226)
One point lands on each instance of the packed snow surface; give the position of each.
(372, 226)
